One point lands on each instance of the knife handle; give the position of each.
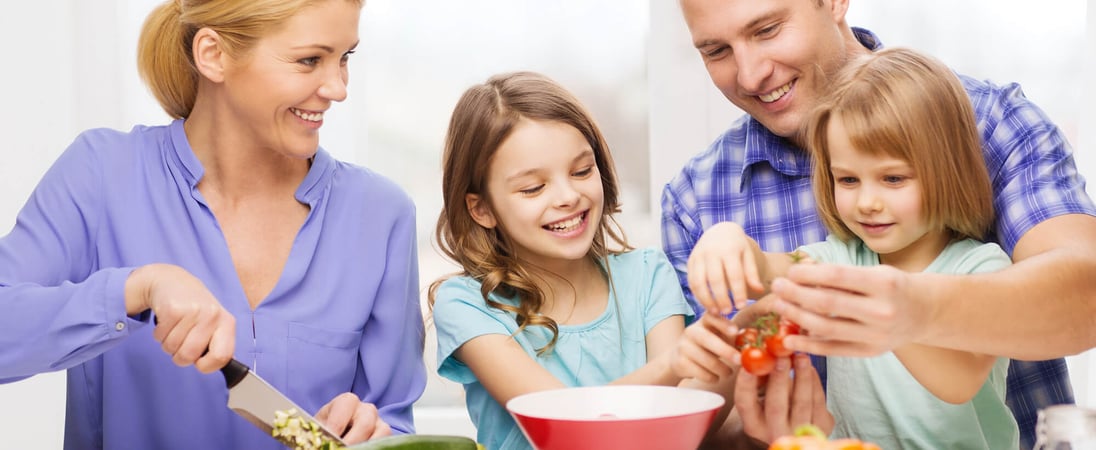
(234, 371)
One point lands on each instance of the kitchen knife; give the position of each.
(256, 400)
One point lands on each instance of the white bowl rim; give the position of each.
(700, 401)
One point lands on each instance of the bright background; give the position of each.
(70, 67)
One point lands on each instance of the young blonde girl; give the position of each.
(900, 180)
(549, 294)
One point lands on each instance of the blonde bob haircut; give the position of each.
(906, 105)
(483, 118)
(165, 59)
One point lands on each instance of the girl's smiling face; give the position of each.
(544, 193)
(879, 199)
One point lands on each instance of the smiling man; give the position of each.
(773, 59)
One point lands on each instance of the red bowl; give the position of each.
(608, 417)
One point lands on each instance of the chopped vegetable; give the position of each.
(300, 434)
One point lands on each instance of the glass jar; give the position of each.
(1066, 427)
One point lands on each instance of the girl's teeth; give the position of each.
(566, 225)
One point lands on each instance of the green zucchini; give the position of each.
(418, 442)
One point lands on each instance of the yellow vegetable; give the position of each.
(809, 437)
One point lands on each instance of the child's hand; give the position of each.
(725, 260)
(706, 350)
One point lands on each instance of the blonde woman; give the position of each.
(235, 230)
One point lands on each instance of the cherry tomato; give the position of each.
(746, 337)
(757, 361)
(775, 346)
(774, 343)
(788, 327)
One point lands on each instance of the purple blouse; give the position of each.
(344, 315)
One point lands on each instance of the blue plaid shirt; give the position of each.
(762, 182)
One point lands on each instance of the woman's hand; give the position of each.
(192, 326)
(355, 421)
(724, 260)
(788, 400)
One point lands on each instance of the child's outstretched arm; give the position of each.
(503, 367)
(506, 371)
(662, 342)
(727, 267)
(953, 376)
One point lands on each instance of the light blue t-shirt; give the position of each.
(877, 400)
(643, 292)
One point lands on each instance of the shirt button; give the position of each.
(120, 326)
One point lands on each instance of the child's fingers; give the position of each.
(694, 362)
(720, 325)
(749, 270)
(714, 283)
(732, 272)
(715, 335)
(698, 283)
(703, 350)
(722, 285)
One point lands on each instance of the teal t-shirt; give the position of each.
(877, 400)
(643, 292)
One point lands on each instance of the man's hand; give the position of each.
(850, 311)
(789, 400)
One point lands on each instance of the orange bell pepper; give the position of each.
(809, 437)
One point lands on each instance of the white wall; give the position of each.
(1083, 367)
(35, 124)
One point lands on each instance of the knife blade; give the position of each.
(256, 400)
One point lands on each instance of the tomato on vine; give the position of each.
(787, 327)
(746, 337)
(762, 342)
(757, 361)
(774, 345)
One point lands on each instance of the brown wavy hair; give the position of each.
(484, 117)
(165, 58)
(903, 104)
